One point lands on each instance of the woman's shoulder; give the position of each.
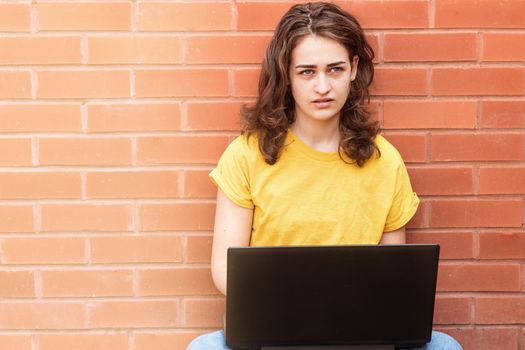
(388, 151)
(244, 145)
(245, 142)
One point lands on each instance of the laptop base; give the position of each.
(331, 347)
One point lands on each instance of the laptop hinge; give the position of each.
(332, 347)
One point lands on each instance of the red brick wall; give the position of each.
(113, 113)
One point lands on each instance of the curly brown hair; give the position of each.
(273, 112)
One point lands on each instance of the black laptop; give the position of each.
(331, 297)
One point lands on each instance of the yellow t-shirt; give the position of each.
(314, 198)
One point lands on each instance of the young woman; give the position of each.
(310, 167)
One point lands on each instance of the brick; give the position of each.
(86, 217)
(478, 277)
(85, 151)
(135, 249)
(133, 314)
(15, 84)
(478, 81)
(87, 283)
(499, 310)
(15, 17)
(490, 180)
(79, 341)
(208, 116)
(503, 114)
(201, 16)
(177, 281)
(198, 249)
(400, 81)
(168, 217)
(83, 16)
(39, 315)
(245, 82)
(456, 245)
(226, 49)
(43, 250)
(189, 82)
(197, 184)
(476, 213)
(472, 147)
(134, 50)
(204, 312)
(452, 310)
(164, 340)
(16, 284)
(140, 117)
(496, 338)
(181, 149)
(428, 114)
(479, 14)
(15, 342)
(83, 84)
(505, 245)
(15, 152)
(135, 184)
(41, 185)
(412, 147)
(429, 181)
(63, 117)
(430, 47)
(254, 16)
(503, 47)
(385, 14)
(40, 50)
(16, 218)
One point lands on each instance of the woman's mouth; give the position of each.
(323, 102)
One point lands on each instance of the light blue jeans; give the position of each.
(215, 341)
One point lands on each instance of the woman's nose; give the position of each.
(322, 85)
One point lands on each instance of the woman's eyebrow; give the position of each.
(305, 66)
(329, 65)
(336, 64)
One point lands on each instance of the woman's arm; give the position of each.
(233, 226)
(394, 237)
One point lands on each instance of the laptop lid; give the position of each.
(330, 295)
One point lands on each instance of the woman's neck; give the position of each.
(322, 136)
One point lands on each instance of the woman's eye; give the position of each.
(336, 69)
(307, 72)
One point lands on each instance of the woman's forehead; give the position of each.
(318, 50)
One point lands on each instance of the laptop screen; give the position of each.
(330, 295)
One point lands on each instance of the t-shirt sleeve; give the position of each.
(232, 173)
(405, 201)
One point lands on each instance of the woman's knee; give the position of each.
(442, 341)
(215, 341)
(208, 341)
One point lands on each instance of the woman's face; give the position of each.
(320, 77)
